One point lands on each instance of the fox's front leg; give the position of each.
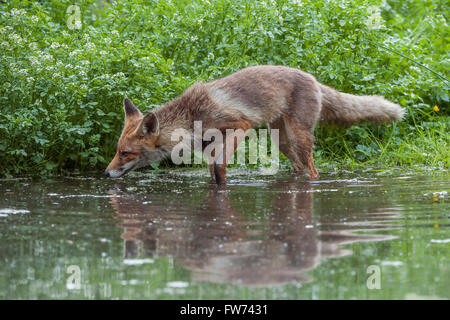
(217, 162)
(220, 171)
(212, 172)
(210, 159)
(235, 134)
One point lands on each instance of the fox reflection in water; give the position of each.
(218, 243)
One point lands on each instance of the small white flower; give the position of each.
(47, 57)
(30, 79)
(5, 44)
(211, 56)
(15, 38)
(74, 52)
(119, 74)
(115, 33)
(23, 71)
(90, 46)
(85, 62)
(56, 75)
(34, 61)
(128, 42)
(34, 19)
(107, 40)
(374, 20)
(442, 19)
(103, 52)
(17, 12)
(33, 46)
(5, 29)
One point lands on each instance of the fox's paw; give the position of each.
(313, 175)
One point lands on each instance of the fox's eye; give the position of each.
(124, 154)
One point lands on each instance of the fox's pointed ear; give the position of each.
(149, 125)
(130, 108)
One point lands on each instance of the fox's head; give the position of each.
(138, 143)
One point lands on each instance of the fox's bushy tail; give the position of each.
(347, 109)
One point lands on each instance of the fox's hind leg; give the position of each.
(302, 141)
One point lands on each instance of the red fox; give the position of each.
(286, 99)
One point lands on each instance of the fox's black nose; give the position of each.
(107, 173)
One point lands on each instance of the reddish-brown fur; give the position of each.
(287, 99)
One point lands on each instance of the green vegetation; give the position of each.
(61, 88)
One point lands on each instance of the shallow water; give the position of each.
(174, 235)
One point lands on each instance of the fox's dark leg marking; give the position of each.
(210, 160)
(212, 172)
(220, 173)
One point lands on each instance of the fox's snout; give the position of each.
(117, 173)
(114, 173)
(119, 166)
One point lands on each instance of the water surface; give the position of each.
(172, 235)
